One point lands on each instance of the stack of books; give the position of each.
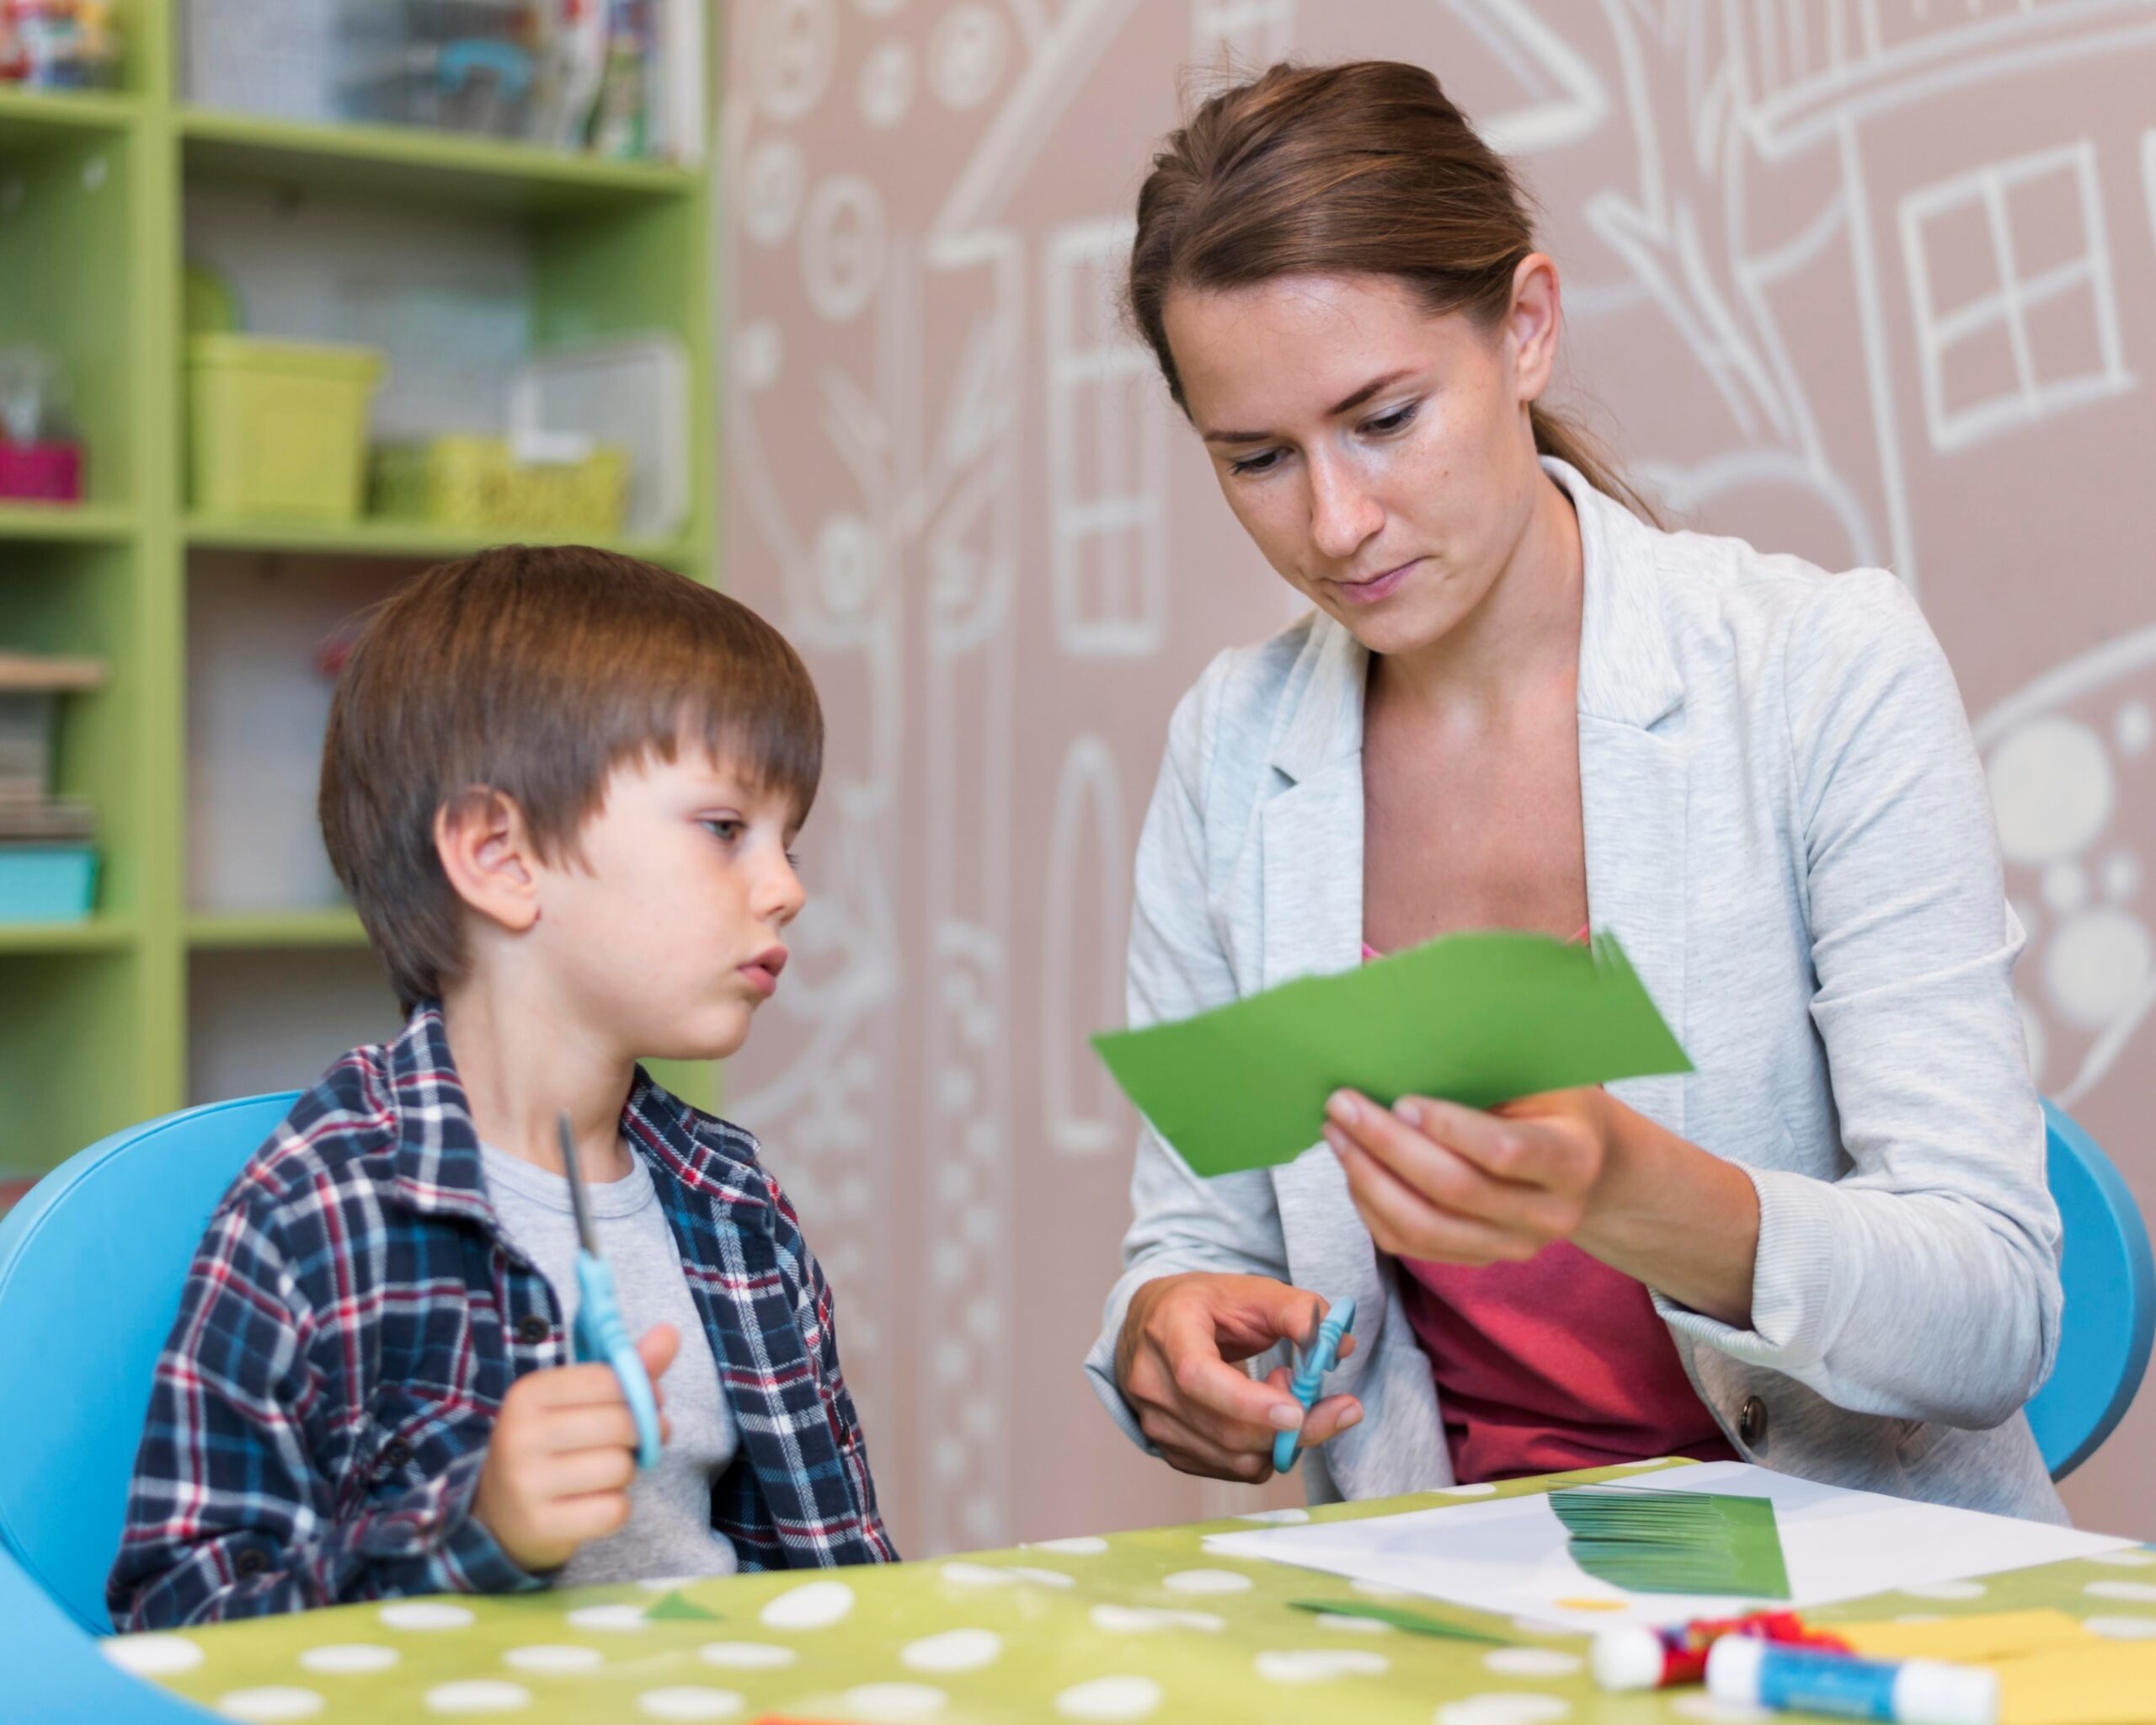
(38, 829)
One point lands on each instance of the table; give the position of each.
(1134, 1626)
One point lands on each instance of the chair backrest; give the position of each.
(2110, 1301)
(91, 1265)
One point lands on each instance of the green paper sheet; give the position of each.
(1675, 1542)
(1475, 1018)
(1414, 1622)
(674, 1608)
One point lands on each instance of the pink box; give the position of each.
(41, 472)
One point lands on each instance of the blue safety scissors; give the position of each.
(599, 1334)
(1318, 1359)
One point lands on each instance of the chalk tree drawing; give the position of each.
(1872, 281)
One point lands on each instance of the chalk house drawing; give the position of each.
(1869, 278)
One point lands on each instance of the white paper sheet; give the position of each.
(1510, 1556)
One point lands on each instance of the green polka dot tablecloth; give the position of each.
(1129, 1626)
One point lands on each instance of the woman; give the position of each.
(1517, 703)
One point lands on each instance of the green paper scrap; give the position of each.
(1675, 1542)
(672, 1608)
(1415, 1622)
(1476, 1019)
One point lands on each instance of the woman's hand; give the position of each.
(1174, 1362)
(1456, 1185)
(1450, 1184)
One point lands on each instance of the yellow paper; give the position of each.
(2052, 1670)
(1970, 1641)
(2112, 1683)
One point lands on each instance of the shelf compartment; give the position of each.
(64, 524)
(256, 930)
(411, 163)
(415, 541)
(273, 1019)
(31, 118)
(99, 934)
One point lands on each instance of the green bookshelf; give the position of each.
(94, 196)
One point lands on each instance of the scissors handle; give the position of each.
(1318, 1359)
(599, 1335)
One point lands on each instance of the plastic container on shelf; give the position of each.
(40, 452)
(630, 392)
(47, 883)
(278, 429)
(477, 484)
(262, 56)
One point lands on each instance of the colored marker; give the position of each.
(1636, 1657)
(1749, 1673)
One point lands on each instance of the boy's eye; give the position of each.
(793, 860)
(724, 829)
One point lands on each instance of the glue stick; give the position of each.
(1634, 1658)
(1914, 1692)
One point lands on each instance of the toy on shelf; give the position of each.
(58, 44)
(40, 452)
(48, 862)
(621, 78)
(454, 65)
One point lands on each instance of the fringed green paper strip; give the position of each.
(1675, 1542)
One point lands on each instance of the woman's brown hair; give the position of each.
(1363, 168)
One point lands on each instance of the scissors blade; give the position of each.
(584, 1234)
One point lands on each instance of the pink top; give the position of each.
(1557, 1363)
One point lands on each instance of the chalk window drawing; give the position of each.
(1247, 34)
(1107, 455)
(2149, 175)
(1085, 909)
(2011, 284)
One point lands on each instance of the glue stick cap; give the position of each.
(1628, 1658)
(1929, 1693)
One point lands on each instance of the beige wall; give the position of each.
(1870, 281)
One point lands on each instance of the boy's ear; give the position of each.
(487, 852)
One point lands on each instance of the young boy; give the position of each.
(559, 786)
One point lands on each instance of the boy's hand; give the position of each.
(563, 1452)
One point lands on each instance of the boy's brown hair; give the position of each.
(534, 672)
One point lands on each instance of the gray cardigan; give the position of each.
(1787, 826)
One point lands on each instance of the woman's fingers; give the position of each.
(1405, 1223)
(1328, 1415)
(1191, 1451)
(1436, 1168)
(1219, 1397)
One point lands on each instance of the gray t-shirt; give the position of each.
(668, 1531)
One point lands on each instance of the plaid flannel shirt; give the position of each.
(354, 1315)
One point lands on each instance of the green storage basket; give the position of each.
(278, 428)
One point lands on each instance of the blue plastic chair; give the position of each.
(91, 1265)
(2110, 1301)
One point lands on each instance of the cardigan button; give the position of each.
(396, 1453)
(1751, 1423)
(531, 1329)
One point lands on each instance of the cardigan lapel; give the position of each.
(1311, 894)
(1635, 768)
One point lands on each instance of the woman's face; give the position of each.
(1380, 455)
